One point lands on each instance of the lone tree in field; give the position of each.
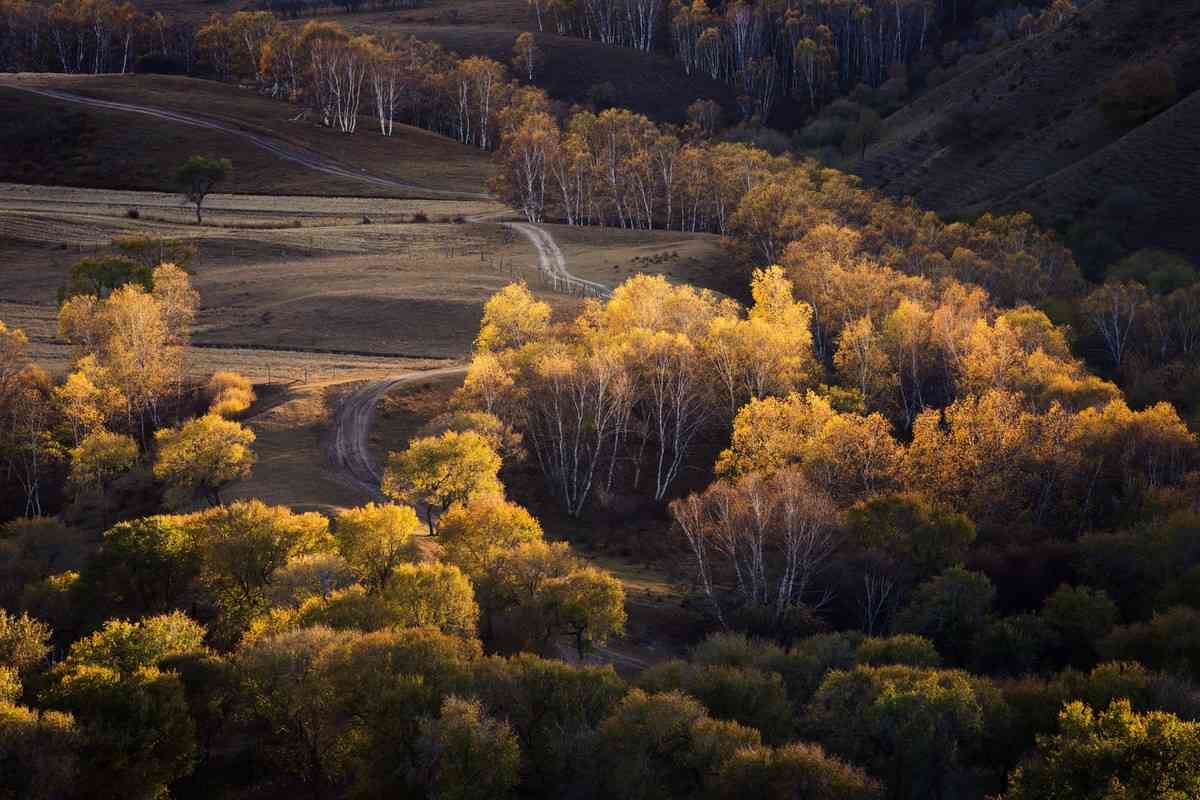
(199, 175)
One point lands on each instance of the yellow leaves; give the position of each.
(230, 394)
(375, 538)
(202, 456)
(768, 353)
(650, 302)
(511, 318)
(440, 471)
(475, 535)
(487, 382)
(847, 454)
(101, 456)
(1024, 352)
(768, 433)
(177, 301)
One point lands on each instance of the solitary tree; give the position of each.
(527, 56)
(438, 472)
(202, 457)
(588, 605)
(199, 175)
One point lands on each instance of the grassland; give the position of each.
(49, 141)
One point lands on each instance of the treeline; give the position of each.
(618, 168)
(86, 36)
(812, 51)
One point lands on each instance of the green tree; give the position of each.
(1080, 617)
(913, 531)
(101, 275)
(1115, 753)
(283, 687)
(586, 604)
(438, 472)
(203, 456)
(375, 539)
(903, 649)
(386, 684)
(477, 537)
(432, 595)
(125, 647)
(101, 457)
(145, 566)
(241, 546)
(467, 755)
(950, 611)
(743, 694)
(661, 746)
(137, 735)
(908, 726)
(1170, 641)
(554, 709)
(23, 641)
(199, 175)
(794, 771)
(40, 753)
(417, 596)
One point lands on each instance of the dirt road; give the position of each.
(552, 261)
(348, 451)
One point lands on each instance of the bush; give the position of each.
(229, 394)
(1137, 93)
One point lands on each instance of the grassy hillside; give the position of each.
(648, 83)
(49, 141)
(1022, 129)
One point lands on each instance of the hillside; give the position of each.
(1021, 129)
(45, 140)
(573, 70)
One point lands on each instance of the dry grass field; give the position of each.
(45, 140)
(302, 276)
(610, 256)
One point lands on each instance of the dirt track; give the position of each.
(347, 448)
(552, 261)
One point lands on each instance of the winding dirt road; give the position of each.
(348, 451)
(552, 261)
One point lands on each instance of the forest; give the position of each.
(930, 484)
